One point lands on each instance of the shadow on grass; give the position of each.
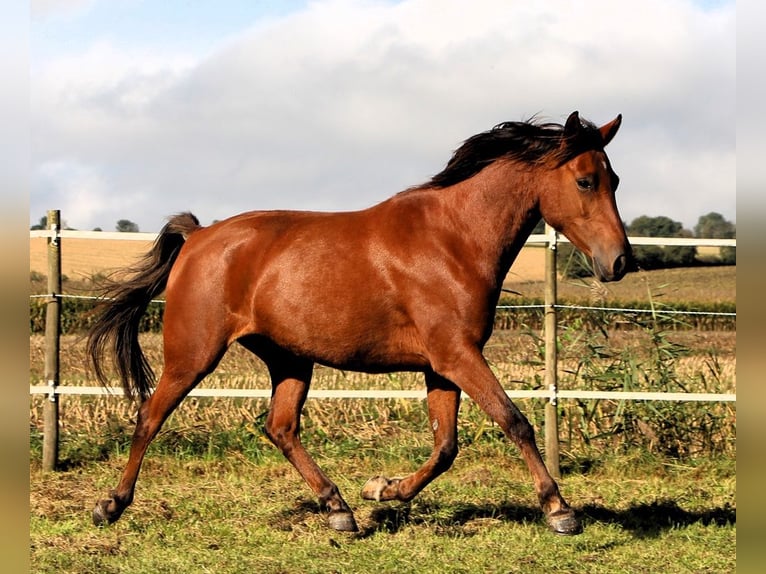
(645, 520)
(649, 520)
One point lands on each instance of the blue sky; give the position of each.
(192, 26)
(142, 109)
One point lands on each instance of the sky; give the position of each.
(142, 109)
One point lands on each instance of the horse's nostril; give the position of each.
(620, 267)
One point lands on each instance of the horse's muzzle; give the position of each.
(622, 264)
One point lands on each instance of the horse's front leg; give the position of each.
(466, 366)
(290, 379)
(443, 405)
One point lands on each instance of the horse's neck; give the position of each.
(500, 209)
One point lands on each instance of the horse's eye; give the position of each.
(585, 183)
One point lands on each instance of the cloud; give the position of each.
(341, 104)
(47, 8)
(81, 187)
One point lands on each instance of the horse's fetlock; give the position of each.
(331, 499)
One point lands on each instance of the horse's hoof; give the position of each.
(380, 488)
(564, 522)
(100, 516)
(106, 512)
(342, 521)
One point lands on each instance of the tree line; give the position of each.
(124, 225)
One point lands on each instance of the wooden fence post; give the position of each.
(52, 331)
(551, 356)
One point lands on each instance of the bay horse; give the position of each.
(409, 284)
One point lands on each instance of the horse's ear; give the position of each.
(573, 124)
(609, 130)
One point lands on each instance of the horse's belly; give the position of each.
(355, 342)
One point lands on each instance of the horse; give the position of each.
(409, 284)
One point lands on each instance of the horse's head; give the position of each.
(580, 202)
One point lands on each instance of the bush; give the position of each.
(652, 425)
(664, 256)
(78, 315)
(729, 255)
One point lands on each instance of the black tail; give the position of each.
(115, 332)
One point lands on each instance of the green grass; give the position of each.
(231, 514)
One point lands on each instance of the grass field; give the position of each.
(198, 514)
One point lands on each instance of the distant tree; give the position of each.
(657, 256)
(97, 229)
(661, 226)
(43, 224)
(715, 226)
(127, 226)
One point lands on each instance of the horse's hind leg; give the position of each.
(151, 414)
(291, 377)
(178, 378)
(443, 405)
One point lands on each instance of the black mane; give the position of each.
(528, 142)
